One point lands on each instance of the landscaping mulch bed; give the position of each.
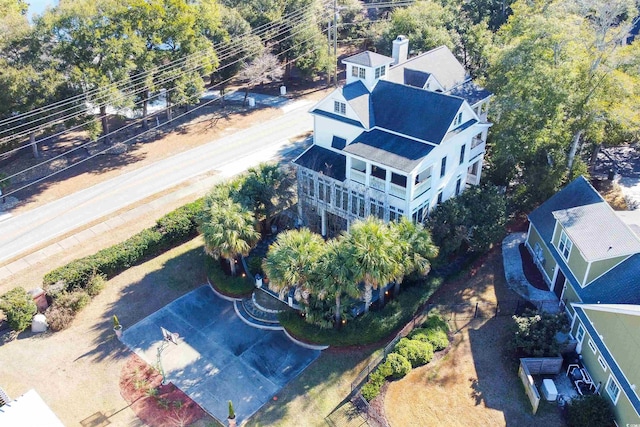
(155, 404)
(530, 269)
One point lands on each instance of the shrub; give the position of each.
(589, 411)
(59, 317)
(255, 266)
(172, 229)
(399, 365)
(19, 308)
(436, 337)
(370, 391)
(418, 353)
(436, 322)
(535, 333)
(96, 284)
(74, 301)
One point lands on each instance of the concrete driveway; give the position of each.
(218, 357)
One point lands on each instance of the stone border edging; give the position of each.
(304, 344)
(266, 310)
(224, 297)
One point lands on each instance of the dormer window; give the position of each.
(381, 71)
(564, 245)
(359, 72)
(458, 119)
(339, 107)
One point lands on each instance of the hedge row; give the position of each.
(411, 352)
(173, 229)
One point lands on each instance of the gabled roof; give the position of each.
(388, 149)
(368, 59)
(413, 112)
(584, 226)
(606, 354)
(325, 161)
(415, 78)
(577, 193)
(440, 62)
(359, 98)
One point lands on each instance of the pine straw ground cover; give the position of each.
(155, 404)
(476, 382)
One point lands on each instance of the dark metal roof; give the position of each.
(578, 193)
(388, 149)
(337, 117)
(417, 113)
(470, 91)
(615, 369)
(368, 59)
(359, 99)
(415, 78)
(324, 161)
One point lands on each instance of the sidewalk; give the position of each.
(516, 279)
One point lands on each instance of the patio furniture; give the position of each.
(581, 378)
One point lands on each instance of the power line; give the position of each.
(149, 130)
(195, 67)
(298, 16)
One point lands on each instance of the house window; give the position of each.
(342, 198)
(377, 209)
(439, 197)
(539, 255)
(357, 204)
(362, 73)
(462, 150)
(613, 389)
(381, 71)
(420, 214)
(359, 165)
(379, 172)
(564, 245)
(398, 179)
(354, 71)
(339, 107)
(477, 140)
(593, 347)
(602, 363)
(443, 166)
(580, 333)
(458, 182)
(324, 191)
(474, 168)
(458, 119)
(395, 214)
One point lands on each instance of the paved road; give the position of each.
(226, 156)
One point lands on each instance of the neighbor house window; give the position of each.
(458, 183)
(443, 166)
(458, 119)
(564, 245)
(354, 71)
(381, 71)
(602, 363)
(362, 73)
(439, 197)
(394, 213)
(339, 107)
(613, 389)
(462, 150)
(593, 347)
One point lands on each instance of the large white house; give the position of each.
(400, 137)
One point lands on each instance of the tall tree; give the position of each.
(292, 259)
(262, 69)
(228, 231)
(416, 249)
(372, 244)
(335, 275)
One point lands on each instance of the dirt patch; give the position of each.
(612, 193)
(531, 272)
(156, 404)
(476, 382)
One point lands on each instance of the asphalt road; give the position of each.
(225, 156)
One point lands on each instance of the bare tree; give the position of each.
(263, 69)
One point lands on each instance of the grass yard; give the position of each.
(476, 383)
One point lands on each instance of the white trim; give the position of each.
(606, 387)
(586, 274)
(629, 309)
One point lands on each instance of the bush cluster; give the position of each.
(407, 354)
(172, 229)
(19, 308)
(589, 410)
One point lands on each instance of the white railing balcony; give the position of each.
(421, 188)
(357, 176)
(472, 179)
(398, 191)
(377, 183)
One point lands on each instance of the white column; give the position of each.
(323, 221)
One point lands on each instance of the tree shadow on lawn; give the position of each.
(168, 277)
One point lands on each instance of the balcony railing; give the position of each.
(397, 191)
(358, 176)
(376, 183)
(422, 188)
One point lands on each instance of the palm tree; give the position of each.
(375, 255)
(228, 231)
(336, 274)
(416, 249)
(292, 258)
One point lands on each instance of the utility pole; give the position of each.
(335, 42)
